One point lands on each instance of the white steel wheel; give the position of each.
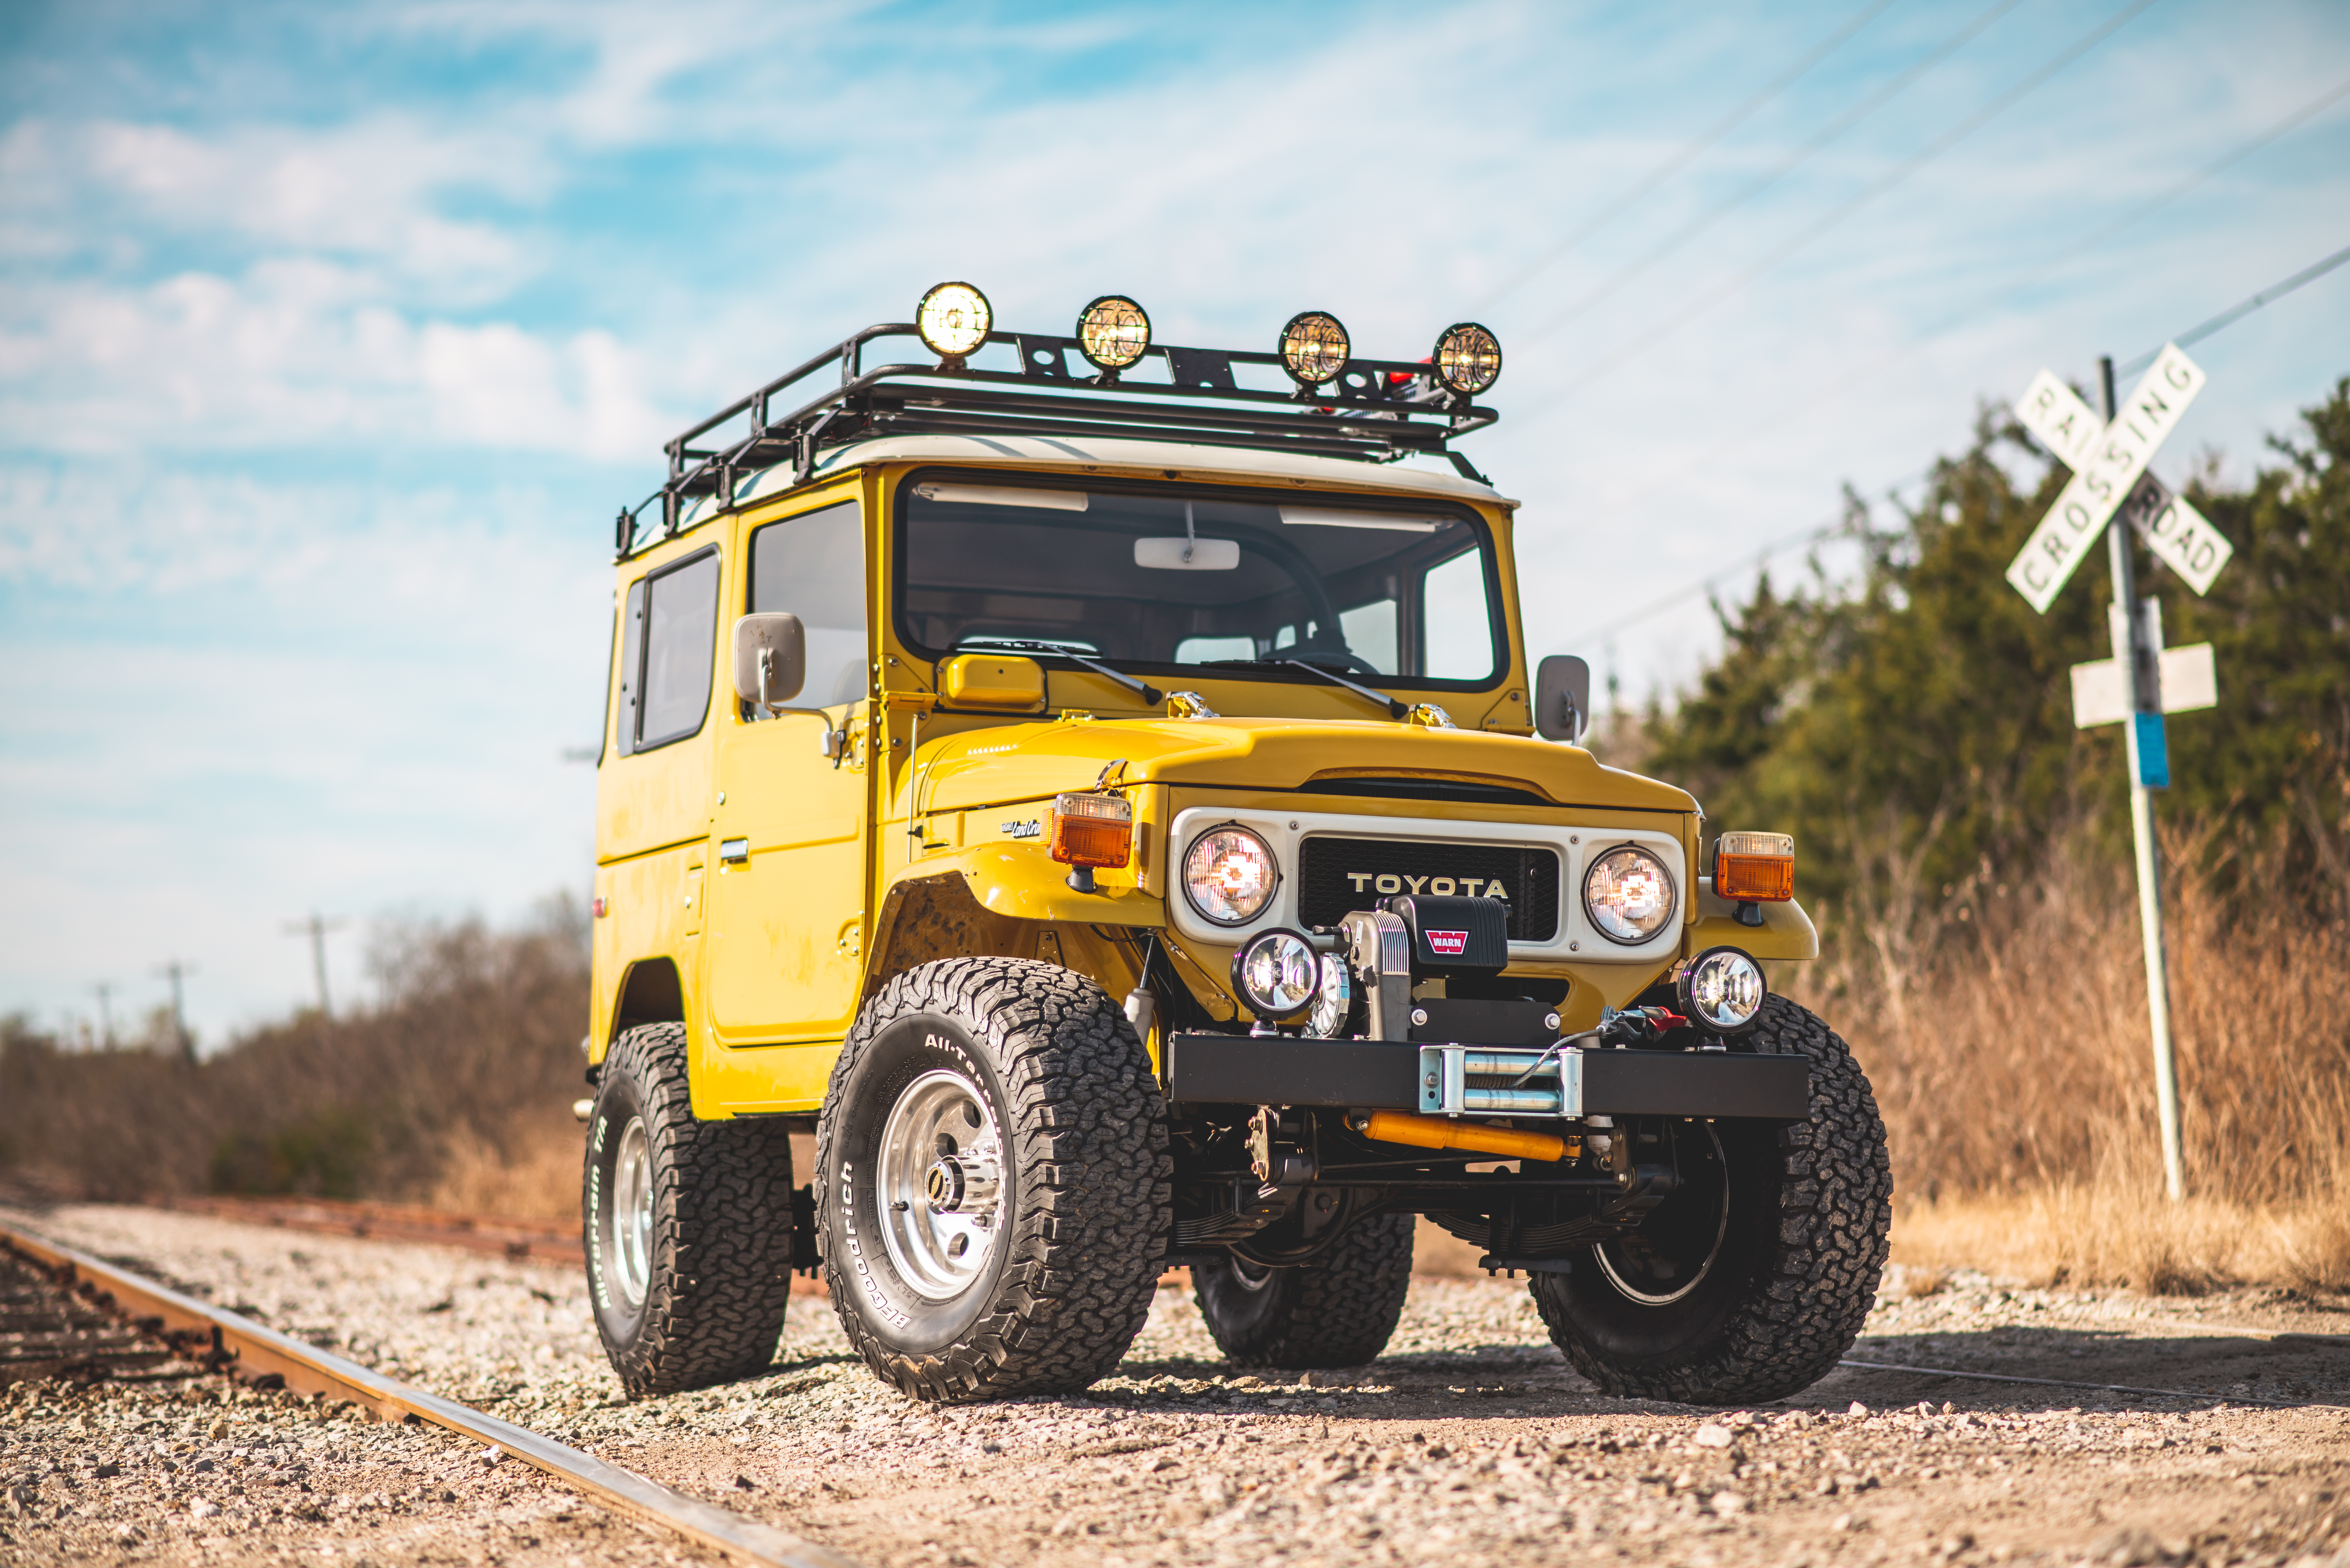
(939, 1179)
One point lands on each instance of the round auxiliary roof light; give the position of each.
(1468, 358)
(1113, 332)
(1314, 346)
(953, 319)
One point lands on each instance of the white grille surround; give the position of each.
(1577, 940)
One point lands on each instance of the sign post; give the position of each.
(2108, 458)
(2149, 764)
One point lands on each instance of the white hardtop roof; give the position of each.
(1192, 459)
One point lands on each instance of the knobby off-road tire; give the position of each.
(1339, 1311)
(688, 1225)
(1027, 1250)
(1795, 1273)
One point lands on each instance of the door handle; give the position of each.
(735, 851)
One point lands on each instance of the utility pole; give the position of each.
(316, 927)
(2134, 651)
(176, 972)
(105, 990)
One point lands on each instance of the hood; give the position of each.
(1027, 761)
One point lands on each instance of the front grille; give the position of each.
(1335, 875)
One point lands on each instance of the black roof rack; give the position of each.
(1376, 410)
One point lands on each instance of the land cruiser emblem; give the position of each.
(1441, 887)
(1024, 830)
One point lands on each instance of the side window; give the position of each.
(632, 658)
(681, 640)
(813, 565)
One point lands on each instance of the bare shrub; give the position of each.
(455, 1087)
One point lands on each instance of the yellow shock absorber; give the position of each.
(1437, 1132)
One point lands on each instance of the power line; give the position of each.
(1810, 533)
(1706, 220)
(2229, 316)
(1681, 160)
(1821, 530)
(1909, 166)
(1847, 384)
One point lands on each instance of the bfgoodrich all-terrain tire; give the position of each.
(1339, 1311)
(688, 1225)
(993, 1181)
(1749, 1283)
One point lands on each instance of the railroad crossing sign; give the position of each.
(2142, 680)
(2109, 473)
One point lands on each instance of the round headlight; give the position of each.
(1721, 988)
(1229, 875)
(1468, 358)
(1277, 972)
(1334, 1000)
(1315, 347)
(1113, 332)
(1629, 895)
(953, 319)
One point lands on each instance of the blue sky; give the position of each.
(332, 336)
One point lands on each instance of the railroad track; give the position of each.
(66, 1313)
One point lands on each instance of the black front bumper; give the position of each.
(1286, 1070)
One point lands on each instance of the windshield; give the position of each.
(1196, 577)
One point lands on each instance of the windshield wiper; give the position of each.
(1394, 710)
(1143, 688)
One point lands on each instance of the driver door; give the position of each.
(783, 936)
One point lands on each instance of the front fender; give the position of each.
(1786, 931)
(1020, 881)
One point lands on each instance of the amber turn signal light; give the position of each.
(1093, 830)
(1754, 867)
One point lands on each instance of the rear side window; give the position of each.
(680, 638)
(632, 667)
(814, 567)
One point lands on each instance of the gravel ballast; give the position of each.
(1471, 1441)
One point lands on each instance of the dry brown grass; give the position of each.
(454, 1088)
(2006, 1034)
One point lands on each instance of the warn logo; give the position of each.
(1447, 944)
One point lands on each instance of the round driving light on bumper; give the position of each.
(1113, 332)
(1722, 989)
(1629, 894)
(1277, 974)
(953, 319)
(1229, 875)
(1468, 358)
(1334, 1000)
(1314, 346)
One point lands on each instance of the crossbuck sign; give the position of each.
(2109, 473)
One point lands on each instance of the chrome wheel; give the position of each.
(1676, 1246)
(631, 1218)
(939, 1174)
(1250, 1276)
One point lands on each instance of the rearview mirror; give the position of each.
(770, 658)
(1562, 697)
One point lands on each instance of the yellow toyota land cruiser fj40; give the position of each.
(1097, 788)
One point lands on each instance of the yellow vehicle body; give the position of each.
(757, 879)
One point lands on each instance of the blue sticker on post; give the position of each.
(2149, 751)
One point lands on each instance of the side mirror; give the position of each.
(770, 658)
(1562, 697)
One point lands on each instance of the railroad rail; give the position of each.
(73, 1312)
(525, 1239)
